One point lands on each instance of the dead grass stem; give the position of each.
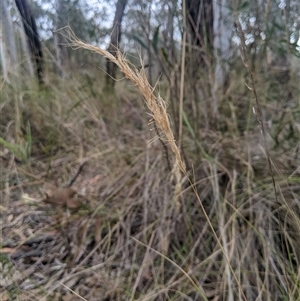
(155, 104)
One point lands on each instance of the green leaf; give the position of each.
(243, 5)
(21, 151)
(18, 150)
(165, 56)
(155, 38)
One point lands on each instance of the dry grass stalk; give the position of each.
(155, 104)
(252, 87)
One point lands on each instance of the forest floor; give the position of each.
(141, 232)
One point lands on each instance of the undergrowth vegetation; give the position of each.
(214, 218)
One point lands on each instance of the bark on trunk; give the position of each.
(223, 25)
(28, 63)
(32, 35)
(200, 18)
(59, 39)
(8, 42)
(114, 41)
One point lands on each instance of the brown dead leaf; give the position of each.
(95, 180)
(10, 218)
(5, 297)
(71, 203)
(63, 198)
(7, 250)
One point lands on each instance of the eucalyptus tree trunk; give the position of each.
(31, 32)
(26, 52)
(114, 42)
(200, 19)
(8, 43)
(3, 55)
(60, 42)
(223, 25)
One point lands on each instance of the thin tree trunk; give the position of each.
(114, 42)
(26, 52)
(4, 55)
(32, 35)
(223, 24)
(59, 39)
(8, 42)
(200, 18)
